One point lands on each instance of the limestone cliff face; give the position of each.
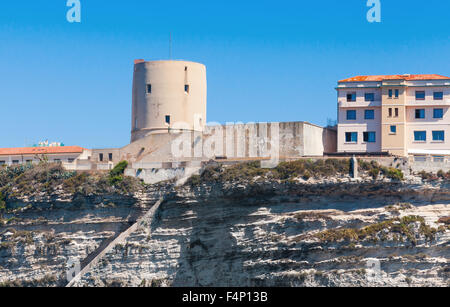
(263, 233)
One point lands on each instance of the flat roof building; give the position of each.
(63, 154)
(401, 115)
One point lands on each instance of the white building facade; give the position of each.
(69, 156)
(402, 115)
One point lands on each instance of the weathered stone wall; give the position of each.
(231, 142)
(431, 164)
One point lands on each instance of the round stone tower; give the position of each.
(167, 96)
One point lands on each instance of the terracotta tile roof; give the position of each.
(395, 77)
(40, 150)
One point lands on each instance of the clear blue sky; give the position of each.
(266, 60)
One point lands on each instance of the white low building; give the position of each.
(65, 154)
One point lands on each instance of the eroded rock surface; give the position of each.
(240, 234)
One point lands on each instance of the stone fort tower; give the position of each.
(167, 96)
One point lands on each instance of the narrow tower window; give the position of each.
(168, 119)
(186, 88)
(100, 157)
(149, 88)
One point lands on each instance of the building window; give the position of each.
(420, 113)
(70, 160)
(185, 68)
(420, 158)
(439, 136)
(351, 97)
(420, 136)
(168, 119)
(100, 157)
(369, 137)
(369, 114)
(186, 88)
(438, 113)
(397, 93)
(15, 162)
(2, 162)
(390, 112)
(438, 159)
(135, 123)
(396, 112)
(393, 129)
(351, 114)
(57, 160)
(369, 97)
(351, 137)
(420, 95)
(390, 93)
(438, 95)
(110, 156)
(29, 161)
(149, 88)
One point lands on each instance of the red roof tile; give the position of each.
(395, 77)
(40, 150)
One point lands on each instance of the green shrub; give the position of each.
(2, 205)
(116, 174)
(306, 175)
(374, 172)
(119, 169)
(114, 180)
(428, 176)
(194, 180)
(394, 174)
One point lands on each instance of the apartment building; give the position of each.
(403, 115)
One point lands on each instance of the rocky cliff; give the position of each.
(249, 231)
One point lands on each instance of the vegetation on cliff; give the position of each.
(374, 169)
(288, 171)
(396, 229)
(22, 181)
(305, 168)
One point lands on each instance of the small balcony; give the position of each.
(343, 103)
(427, 102)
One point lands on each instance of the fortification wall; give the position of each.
(233, 142)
